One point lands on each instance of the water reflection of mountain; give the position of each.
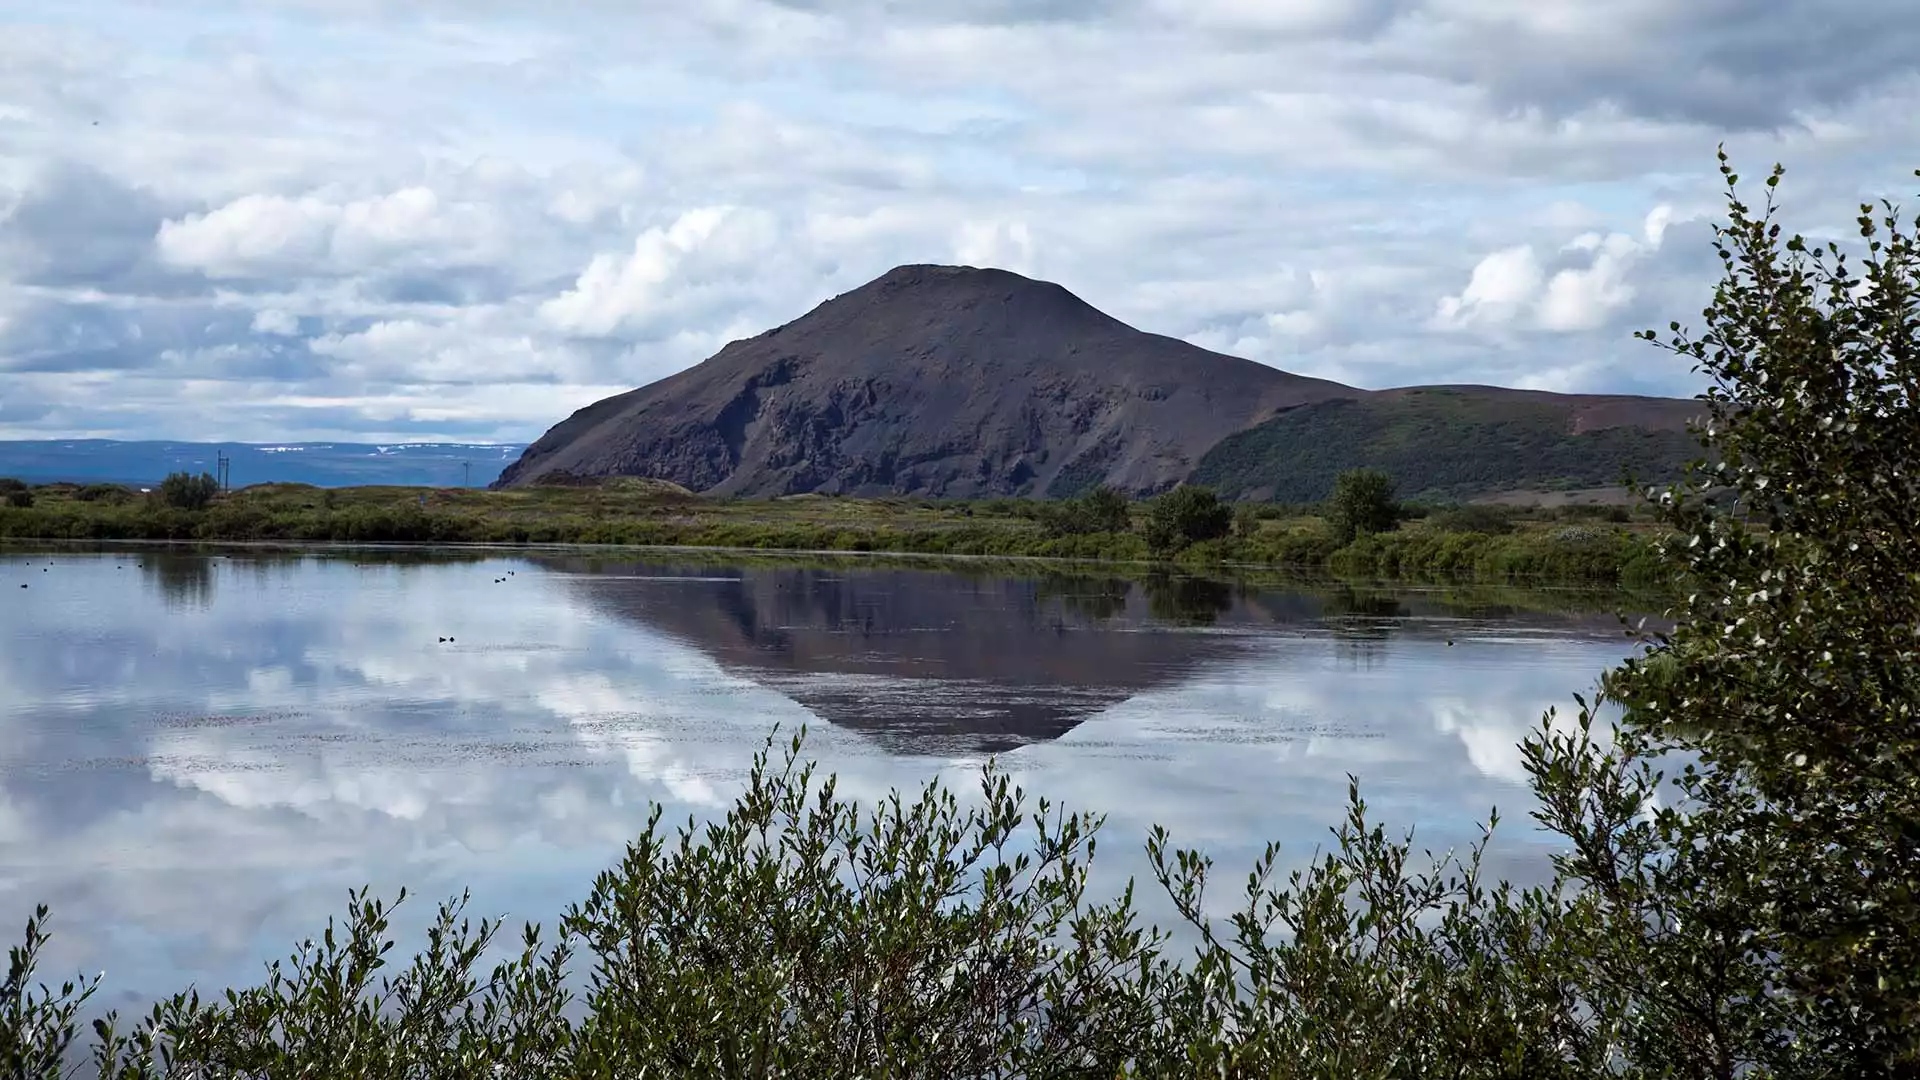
(928, 660)
(923, 661)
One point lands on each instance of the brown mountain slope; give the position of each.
(963, 382)
(934, 380)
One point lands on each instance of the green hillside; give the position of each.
(1439, 444)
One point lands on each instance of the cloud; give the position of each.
(1005, 244)
(1583, 298)
(339, 212)
(274, 321)
(1512, 288)
(71, 225)
(700, 250)
(262, 234)
(1503, 285)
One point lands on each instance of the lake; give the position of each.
(200, 753)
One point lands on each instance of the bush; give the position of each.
(112, 493)
(20, 498)
(1106, 509)
(1474, 518)
(1362, 502)
(1246, 521)
(188, 492)
(1612, 512)
(1101, 510)
(1184, 516)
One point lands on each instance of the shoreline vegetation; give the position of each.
(1584, 546)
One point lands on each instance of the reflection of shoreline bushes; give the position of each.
(1094, 590)
(1542, 549)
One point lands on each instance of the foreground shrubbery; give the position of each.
(804, 936)
(1754, 915)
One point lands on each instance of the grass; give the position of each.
(1538, 548)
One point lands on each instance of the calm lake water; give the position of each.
(200, 753)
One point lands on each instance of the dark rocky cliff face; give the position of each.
(930, 380)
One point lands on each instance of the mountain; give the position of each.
(959, 382)
(936, 380)
(320, 464)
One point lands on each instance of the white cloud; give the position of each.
(1005, 244)
(1502, 286)
(622, 292)
(1510, 287)
(275, 321)
(258, 234)
(468, 349)
(1380, 191)
(1583, 298)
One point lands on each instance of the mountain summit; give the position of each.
(958, 382)
(935, 380)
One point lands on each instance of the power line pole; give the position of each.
(466, 474)
(223, 465)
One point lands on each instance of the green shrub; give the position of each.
(20, 498)
(1186, 515)
(1362, 502)
(1101, 509)
(1246, 521)
(1474, 518)
(110, 493)
(188, 492)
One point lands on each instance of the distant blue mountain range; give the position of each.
(324, 464)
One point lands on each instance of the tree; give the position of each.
(188, 492)
(1761, 911)
(1186, 515)
(1362, 502)
(1106, 509)
(21, 498)
(1101, 510)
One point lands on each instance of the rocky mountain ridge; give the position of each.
(958, 382)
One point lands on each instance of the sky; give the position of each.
(464, 219)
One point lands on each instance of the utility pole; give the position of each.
(466, 474)
(223, 465)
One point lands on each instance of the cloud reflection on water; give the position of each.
(194, 775)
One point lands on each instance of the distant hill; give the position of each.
(320, 464)
(1445, 443)
(952, 381)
